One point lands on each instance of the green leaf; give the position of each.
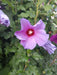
(36, 56)
(47, 7)
(32, 70)
(24, 15)
(4, 71)
(21, 7)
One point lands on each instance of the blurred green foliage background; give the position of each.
(14, 59)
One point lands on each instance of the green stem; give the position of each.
(36, 11)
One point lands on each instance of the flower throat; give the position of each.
(30, 32)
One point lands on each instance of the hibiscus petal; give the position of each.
(29, 43)
(25, 24)
(23, 42)
(21, 35)
(41, 39)
(39, 25)
(41, 31)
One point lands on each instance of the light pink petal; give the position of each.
(30, 43)
(41, 31)
(21, 35)
(23, 42)
(41, 39)
(25, 24)
(39, 25)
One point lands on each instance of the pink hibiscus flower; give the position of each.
(32, 35)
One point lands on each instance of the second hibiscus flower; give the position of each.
(32, 35)
(4, 19)
(53, 38)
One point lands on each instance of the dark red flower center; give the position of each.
(30, 32)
